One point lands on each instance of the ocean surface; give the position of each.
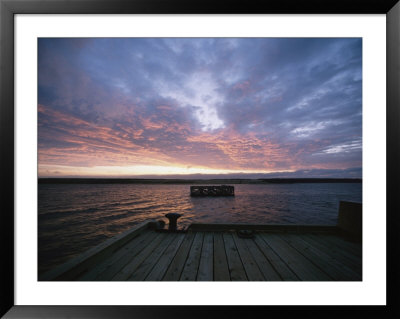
(75, 217)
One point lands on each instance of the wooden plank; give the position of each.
(130, 267)
(279, 265)
(347, 256)
(351, 247)
(118, 257)
(235, 265)
(322, 259)
(157, 273)
(221, 269)
(264, 265)
(340, 255)
(117, 263)
(145, 267)
(205, 272)
(250, 266)
(343, 256)
(189, 272)
(300, 265)
(175, 268)
(74, 267)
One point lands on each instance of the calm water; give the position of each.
(73, 218)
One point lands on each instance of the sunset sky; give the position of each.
(170, 106)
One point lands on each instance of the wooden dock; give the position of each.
(217, 252)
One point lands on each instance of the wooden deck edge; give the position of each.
(350, 236)
(350, 220)
(75, 266)
(262, 227)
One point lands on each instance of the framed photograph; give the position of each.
(149, 143)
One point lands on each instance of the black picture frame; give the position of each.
(8, 8)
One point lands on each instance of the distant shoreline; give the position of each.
(49, 180)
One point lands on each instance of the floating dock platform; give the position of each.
(223, 252)
(214, 190)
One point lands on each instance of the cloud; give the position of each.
(243, 104)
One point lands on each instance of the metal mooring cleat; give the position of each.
(172, 217)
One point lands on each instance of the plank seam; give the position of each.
(156, 261)
(266, 257)
(190, 247)
(310, 260)
(226, 256)
(241, 258)
(179, 243)
(198, 265)
(283, 261)
(255, 246)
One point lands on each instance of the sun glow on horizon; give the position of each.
(137, 170)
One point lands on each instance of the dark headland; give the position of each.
(194, 181)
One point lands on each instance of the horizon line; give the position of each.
(260, 178)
